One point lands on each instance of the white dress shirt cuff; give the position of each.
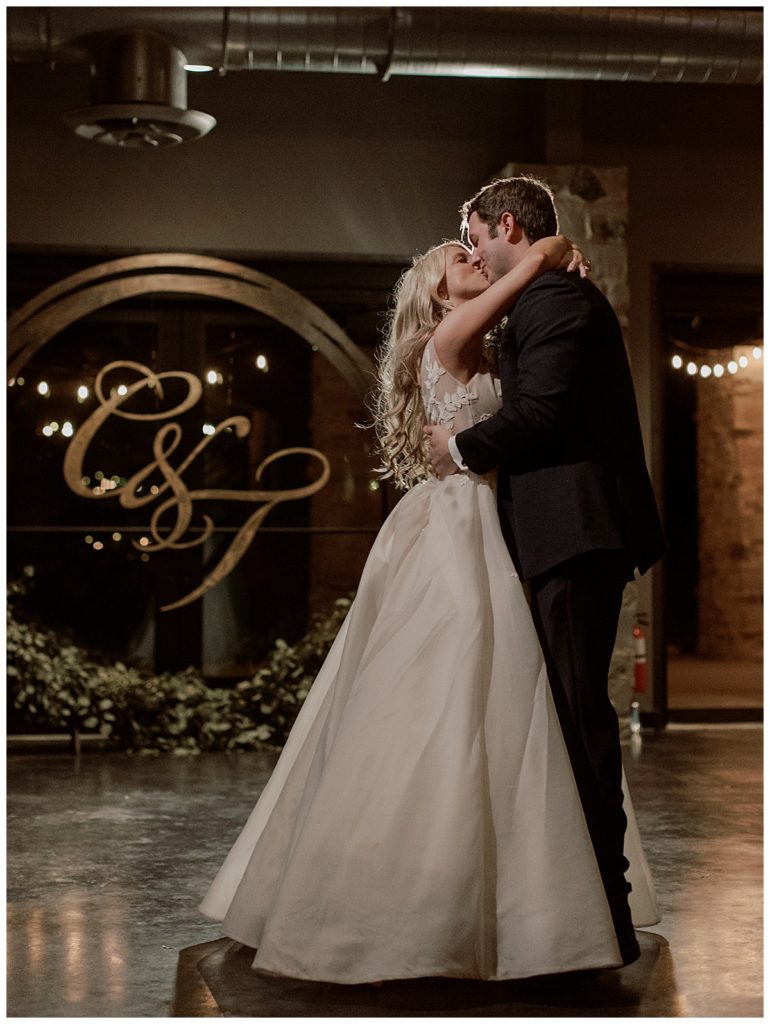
(454, 451)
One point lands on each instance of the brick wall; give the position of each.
(349, 500)
(730, 509)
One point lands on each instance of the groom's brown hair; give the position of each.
(529, 199)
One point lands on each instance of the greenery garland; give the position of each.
(58, 684)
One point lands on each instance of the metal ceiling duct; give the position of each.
(643, 44)
(139, 95)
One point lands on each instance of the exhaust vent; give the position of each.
(139, 95)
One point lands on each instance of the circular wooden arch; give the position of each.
(74, 297)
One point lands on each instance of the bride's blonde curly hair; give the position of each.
(399, 416)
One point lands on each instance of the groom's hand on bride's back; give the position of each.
(438, 451)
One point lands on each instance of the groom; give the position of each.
(575, 499)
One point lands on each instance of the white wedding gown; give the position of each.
(423, 818)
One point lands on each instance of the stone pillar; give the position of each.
(592, 203)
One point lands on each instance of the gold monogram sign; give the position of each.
(175, 502)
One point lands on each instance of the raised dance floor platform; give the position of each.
(109, 855)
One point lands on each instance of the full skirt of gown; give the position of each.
(423, 818)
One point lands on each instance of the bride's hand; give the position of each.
(576, 259)
(560, 252)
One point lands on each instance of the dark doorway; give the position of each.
(712, 331)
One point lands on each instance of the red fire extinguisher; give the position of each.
(640, 655)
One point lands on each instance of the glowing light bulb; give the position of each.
(67, 429)
(261, 363)
(82, 393)
(743, 362)
(676, 362)
(211, 376)
(705, 371)
(732, 366)
(122, 389)
(89, 539)
(757, 352)
(11, 382)
(209, 428)
(198, 68)
(144, 541)
(719, 370)
(47, 431)
(98, 475)
(117, 536)
(43, 388)
(98, 545)
(692, 369)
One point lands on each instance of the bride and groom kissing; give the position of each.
(450, 799)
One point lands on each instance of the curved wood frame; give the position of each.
(74, 297)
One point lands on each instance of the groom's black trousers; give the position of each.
(576, 607)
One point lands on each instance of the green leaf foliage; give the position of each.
(58, 684)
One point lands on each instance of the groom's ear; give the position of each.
(509, 228)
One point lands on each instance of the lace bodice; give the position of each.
(454, 405)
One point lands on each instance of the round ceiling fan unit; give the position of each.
(139, 125)
(139, 95)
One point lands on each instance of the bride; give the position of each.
(423, 818)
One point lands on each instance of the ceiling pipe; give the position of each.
(641, 44)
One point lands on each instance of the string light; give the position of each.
(209, 428)
(47, 430)
(214, 377)
(702, 361)
(98, 545)
(82, 393)
(117, 536)
(43, 388)
(261, 363)
(67, 429)
(122, 389)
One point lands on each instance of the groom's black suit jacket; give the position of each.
(567, 440)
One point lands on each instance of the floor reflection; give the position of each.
(645, 989)
(108, 859)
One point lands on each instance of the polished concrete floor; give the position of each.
(109, 855)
